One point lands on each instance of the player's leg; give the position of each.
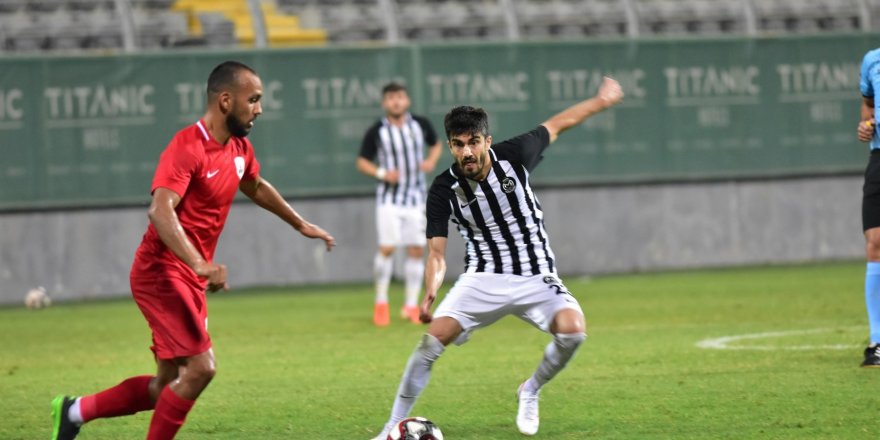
(130, 396)
(388, 229)
(466, 307)
(417, 372)
(554, 310)
(871, 226)
(413, 236)
(872, 296)
(178, 397)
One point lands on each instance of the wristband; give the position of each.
(380, 173)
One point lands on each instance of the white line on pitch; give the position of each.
(723, 342)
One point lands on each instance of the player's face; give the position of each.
(471, 153)
(245, 105)
(395, 104)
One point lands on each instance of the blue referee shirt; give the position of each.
(870, 81)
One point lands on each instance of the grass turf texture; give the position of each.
(307, 363)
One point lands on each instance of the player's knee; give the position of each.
(569, 341)
(430, 347)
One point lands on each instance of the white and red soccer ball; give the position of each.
(415, 428)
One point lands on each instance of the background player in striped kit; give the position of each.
(393, 151)
(509, 266)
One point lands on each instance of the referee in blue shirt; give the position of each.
(870, 81)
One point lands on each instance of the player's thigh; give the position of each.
(177, 313)
(545, 302)
(412, 228)
(475, 301)
(871, 194)
(388, 225)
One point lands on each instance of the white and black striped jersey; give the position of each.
(499, 218)
(402, 149)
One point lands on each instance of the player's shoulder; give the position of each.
(872, 56)
(421, 120)
(445, 180)
(190, 139)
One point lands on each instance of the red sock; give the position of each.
(169, 416)
(130, 396)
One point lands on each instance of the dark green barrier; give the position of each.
(87, 131)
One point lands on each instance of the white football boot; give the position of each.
(527, 416)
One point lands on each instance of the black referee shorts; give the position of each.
(871, 193)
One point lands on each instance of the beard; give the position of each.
(236, 127)
(477, 161)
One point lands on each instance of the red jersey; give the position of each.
(206, 175)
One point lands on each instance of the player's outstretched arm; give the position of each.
(267, 197)
(867, 124)
(435, 271)
(608, 95)
(164, 218)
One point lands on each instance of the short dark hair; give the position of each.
(224, 76)
(393, 87)
(466, 120)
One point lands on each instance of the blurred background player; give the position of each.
(509, 267)
(197, 177)
(870, 81)
(393, 151)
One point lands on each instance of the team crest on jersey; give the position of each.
(239, 166)
(508, 185)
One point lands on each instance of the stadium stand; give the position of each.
(70, 25)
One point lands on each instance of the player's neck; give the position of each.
(396, 120)
(218, 130)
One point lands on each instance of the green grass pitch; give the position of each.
(307, 363)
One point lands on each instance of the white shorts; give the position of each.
(479, 299)
(400, 226)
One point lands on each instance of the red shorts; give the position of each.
(177, 312)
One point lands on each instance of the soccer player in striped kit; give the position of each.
(870, 81)
(509, 266)
(393, 151)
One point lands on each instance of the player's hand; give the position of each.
(609, 92)
(315, 231)
(866, 130)
(392, 176)
(214, 273)
(425, 314)
(427, 166)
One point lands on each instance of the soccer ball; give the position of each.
(415, 428)
(37, 298)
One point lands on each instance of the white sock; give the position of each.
(556, 357)
(74, 414)
(415, 376)
(414, 269)
(382, 268)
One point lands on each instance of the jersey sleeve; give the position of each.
(252, 168)
(866, 81)
(370, 146)
(177, 166)
(428, 131)
(526, 149)
(438, 211)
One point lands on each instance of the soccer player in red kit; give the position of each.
(196, 179)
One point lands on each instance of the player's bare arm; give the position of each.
(867, 125)
(267, 197)
(609, 94)
(164, 218)
(430, 162)
(372, 170)
(435, 271)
